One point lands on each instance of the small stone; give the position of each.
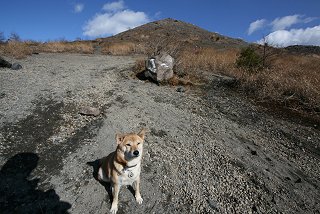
(16, 66)
(213, 204)
(89, 111)
(299, 180)
(253, 152)
(181, 89)
(2, 95)
(254, 208)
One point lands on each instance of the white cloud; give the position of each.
(287, 21)
(283, 38)
(113, 23)
(114, 6)
(78, 8)
(256, 25)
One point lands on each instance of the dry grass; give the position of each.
(293, 81)
(139, 65)
(17, 50)
(185, 81)
(66, 47)
(21, 50)
(123, 48)
(208, 59)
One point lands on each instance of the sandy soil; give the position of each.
(206, 151)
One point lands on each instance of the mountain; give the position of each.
(170, 31)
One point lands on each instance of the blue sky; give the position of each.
(283, 22)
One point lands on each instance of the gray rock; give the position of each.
(160, 67)
(4, 63)
(16, 66)
(89, 111)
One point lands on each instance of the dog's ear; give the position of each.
(119, 138)
(142, 133)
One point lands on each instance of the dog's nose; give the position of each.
(136, 153)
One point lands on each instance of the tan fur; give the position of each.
(123, 166)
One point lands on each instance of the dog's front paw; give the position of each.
(114, 209)
(139, 200)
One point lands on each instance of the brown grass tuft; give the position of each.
(122, 48)
(208, 59)
(15, 49)
(185, 81)
(139, 66)
(292, 81)
(66, 47)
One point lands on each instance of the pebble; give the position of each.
(181, 89)
(89, 111)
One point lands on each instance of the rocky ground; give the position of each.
(206, 151)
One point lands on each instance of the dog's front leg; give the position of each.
(137, 191)
(115, 194)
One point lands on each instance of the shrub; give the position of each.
(249, 60)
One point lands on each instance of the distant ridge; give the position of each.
(303, 49)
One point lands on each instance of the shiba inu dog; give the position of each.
(123, 166)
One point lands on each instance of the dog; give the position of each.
(123, 166)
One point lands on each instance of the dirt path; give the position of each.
(204, 153)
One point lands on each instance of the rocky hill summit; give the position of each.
(173, 31)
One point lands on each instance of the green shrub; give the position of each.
(249, 60)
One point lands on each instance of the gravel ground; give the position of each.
(206, 151)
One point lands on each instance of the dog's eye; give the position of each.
(128, 144)
(138, 143)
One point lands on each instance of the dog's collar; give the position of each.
(128, 167)
(124, 168)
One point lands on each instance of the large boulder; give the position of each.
(160, 67)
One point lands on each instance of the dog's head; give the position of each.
(131, 145)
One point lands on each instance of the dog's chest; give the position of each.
(129, 175)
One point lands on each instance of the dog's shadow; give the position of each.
(95, 165)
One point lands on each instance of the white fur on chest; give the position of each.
(129, 175)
